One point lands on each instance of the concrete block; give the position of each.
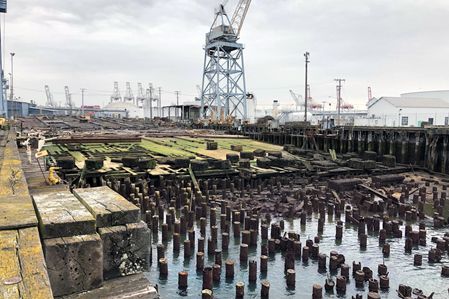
(75, 264)
(247, 155)
(357, 163)
(388, 179)
(61, 214)
(236, 148)
(370, 155)
(389, 160)
(211, 145)
(233, 158)
(107, 206)
(263, 162)
(344, 184)
(125, 249)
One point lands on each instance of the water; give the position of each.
(400, 265)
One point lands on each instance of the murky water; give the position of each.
(400, 265)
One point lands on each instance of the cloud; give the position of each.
(393, 46)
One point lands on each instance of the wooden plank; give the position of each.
(125, 245)
(130, 287)
(61, 214)
(75, 264)
(23, 272)
(107, 206)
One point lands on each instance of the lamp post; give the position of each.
(399, 123)
(11, 95)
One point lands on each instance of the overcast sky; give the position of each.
(394, 46)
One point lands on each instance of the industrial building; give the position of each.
(406, 111)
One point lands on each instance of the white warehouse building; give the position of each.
(408, 111)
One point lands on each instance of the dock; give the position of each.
(25, 233)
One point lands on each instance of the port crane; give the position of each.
(298, 100)
(140, 96)
(50, 102)
(68, 98)
(223, 92)
(129, 97)
(116, 97)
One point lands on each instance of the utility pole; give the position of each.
(151, 101)
(306, 55)
(177, 103)
(11, 95)
(82, 100)
(339, 98)
(159, 102)
(3, 96)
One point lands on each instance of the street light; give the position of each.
(11, 96)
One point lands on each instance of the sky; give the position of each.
(392, 46)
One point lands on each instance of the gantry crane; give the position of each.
(50, 102)
(116, 97)
(223, 92)
(68, 99)
(298, 100)
(140, 98)
(149, 99)
(129, 97)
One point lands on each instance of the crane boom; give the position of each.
(68, 97)
(239, 16)
(296, 99)
(49, 95)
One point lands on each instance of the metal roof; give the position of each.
(409, 102)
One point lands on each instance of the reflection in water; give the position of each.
(400, 266)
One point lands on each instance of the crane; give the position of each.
(223, 91)
(140, 96)
(50, 102)
(68, 99)
(128, 93)
(116, 97)
(239, 16)
(298, 99)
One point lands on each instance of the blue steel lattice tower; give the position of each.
(223, 93)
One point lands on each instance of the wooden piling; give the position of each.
(239, 289)
(252, 271)
(176, 242)
(317, 292)
(291, 278)
(199, 261)
(243, 252)
(265, 290)
(207, 278)
(229, 268)
(163, 267)
(216, 273)
(183, 280)
(201, 244)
